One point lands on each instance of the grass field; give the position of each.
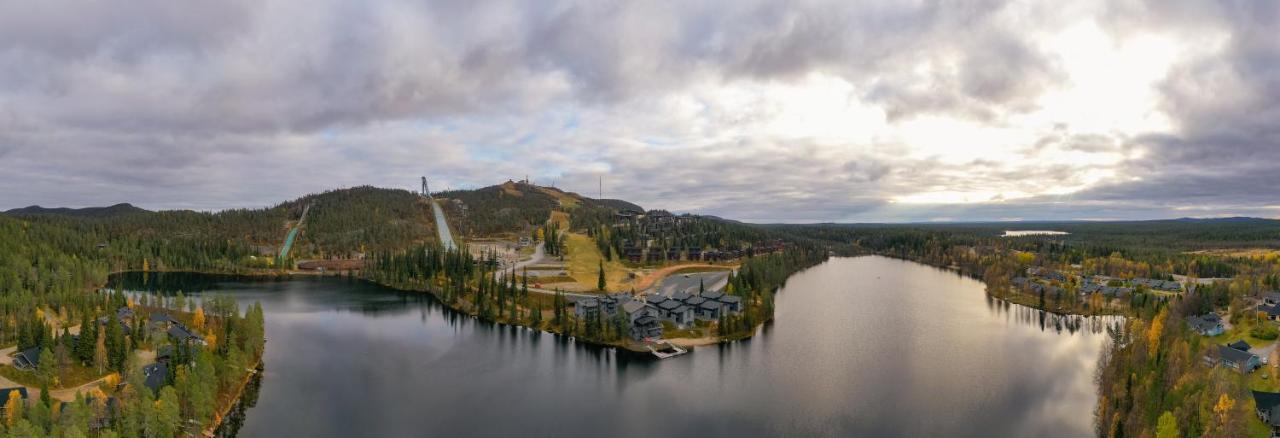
(74, 376)
(561, 219)
(582, 260)
(1241, 331)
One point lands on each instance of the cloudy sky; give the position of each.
(764, 111)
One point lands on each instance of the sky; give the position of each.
(801, 111)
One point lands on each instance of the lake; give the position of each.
(866, 346)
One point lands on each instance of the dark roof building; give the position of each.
(27, 359)
(1241, 361)
(712, 294)
(1268, 409)
(182, 334)
(4, 394)
(1206, 325)
(156, 374)
(1240, 345)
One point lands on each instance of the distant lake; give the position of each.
(1020, 233)
(866, 346)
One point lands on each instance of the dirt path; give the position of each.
(693, 342)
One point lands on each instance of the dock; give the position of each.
(667, 350)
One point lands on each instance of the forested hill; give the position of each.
(340, 224)
(513, 207)
(114, 210)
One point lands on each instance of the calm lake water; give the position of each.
(866, 346)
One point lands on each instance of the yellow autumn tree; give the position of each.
(198, 320)
(1223, 407)
(1157, 327)
(12, 408)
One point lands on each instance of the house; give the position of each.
(695, 302)
(673, 254)
(712, 294)
(1272, 311)
(646, 328)
(676, 312)
(156, 375)
(694, 254)
(654, 255)
(164, 354)
(588, 308)
(710, 309)
(162, 318)
(633, 254)
(731, 303)
(1241, 361)
(635, 310)
(681, 296)
(5, 393)
(1240, 345)
(1208, 325)
(180, 333)
(609, 303)
(27, 359)
(1267, 405)
(1271, 298)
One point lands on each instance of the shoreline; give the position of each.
(220, 415)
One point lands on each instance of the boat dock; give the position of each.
(667, 350)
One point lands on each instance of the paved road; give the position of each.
(689, 282)
(442, 225)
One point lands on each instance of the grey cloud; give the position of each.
(248, 103)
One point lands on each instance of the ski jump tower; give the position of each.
(426, 191)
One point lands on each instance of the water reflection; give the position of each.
(865, 346)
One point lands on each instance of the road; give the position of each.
(446, 237)
(689, 282)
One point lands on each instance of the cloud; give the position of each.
(800, 111)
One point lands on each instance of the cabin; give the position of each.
(1272, 311)
(1242, 361)
(609, 303)
(646, 328)
(676, 312)
(180, 333)
(1271, 298)
(588, 308)
(27, 359)
(731, 303)
(1267, 406)
(156, 375)
(5, 393)
(1208, 325)
(635, 310)
(673, 254)
(633, 254)
(1240, 345)
(710, 309)
(164, 354)
(654, 255)
(693, 254)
